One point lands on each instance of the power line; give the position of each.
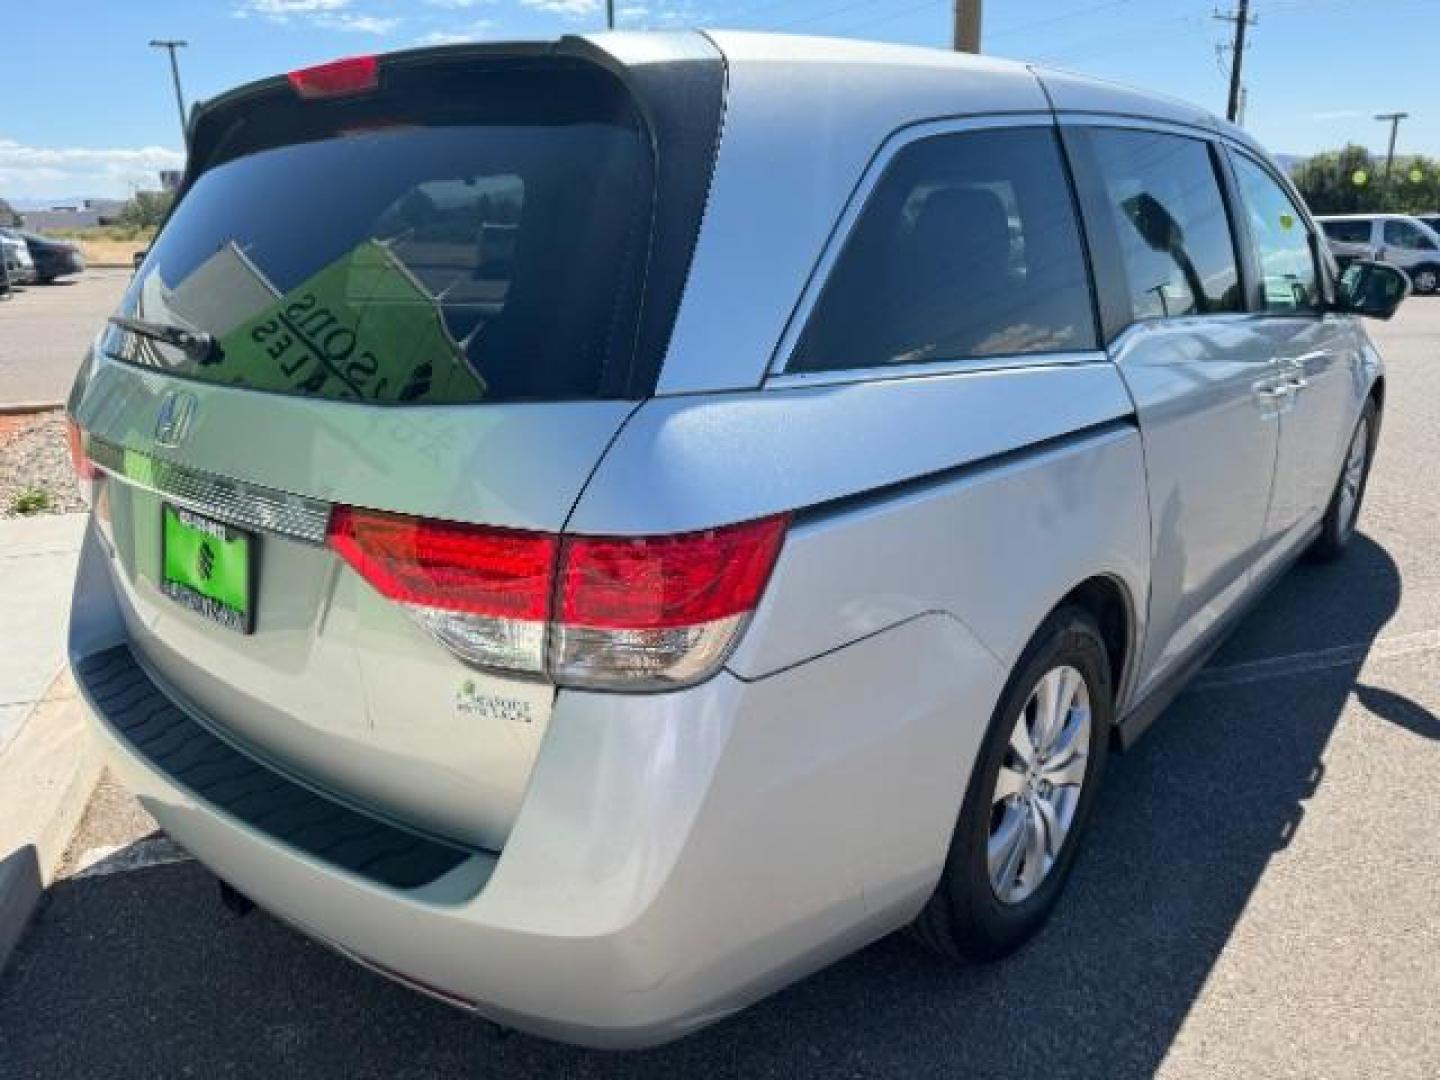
(1036, 24)
(820, 15)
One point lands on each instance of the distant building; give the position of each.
(170, 179)
(85, 214)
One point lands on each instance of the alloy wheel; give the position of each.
(1038, 786)
(1354, 475)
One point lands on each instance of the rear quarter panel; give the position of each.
(983, 496)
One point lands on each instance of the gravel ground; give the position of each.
(35, 456)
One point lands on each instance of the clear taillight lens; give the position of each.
(644, 613)
(483, 592)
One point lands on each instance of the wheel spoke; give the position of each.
(1053, 837)
(1020, 743)
(1053, 697)
(1033, 868)
(1066, 764)
(1008, 784)
(1003, 853)
(1067, 772)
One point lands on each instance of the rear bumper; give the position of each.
(676, 856)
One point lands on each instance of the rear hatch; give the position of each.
(423, 286)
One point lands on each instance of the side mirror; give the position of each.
(1372, 288)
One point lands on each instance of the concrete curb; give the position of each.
(19, 408)
(47, 774)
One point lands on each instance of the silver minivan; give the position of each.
(597, 530)
(1397, 239)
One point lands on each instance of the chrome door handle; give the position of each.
(1276, 395)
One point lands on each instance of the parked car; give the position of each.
(757, 555)
(1430, 220)
(52, 258)
(1397, 239)
(18, 266)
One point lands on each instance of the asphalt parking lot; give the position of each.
(1260, 896)
(45, 329)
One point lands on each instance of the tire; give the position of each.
(1426, 279)
(966, 918)
(1337, 527)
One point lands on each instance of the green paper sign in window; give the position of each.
(361, 328)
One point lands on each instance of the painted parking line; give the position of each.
(127, 858)
(1284, 667)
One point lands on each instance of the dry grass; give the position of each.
(111, 252)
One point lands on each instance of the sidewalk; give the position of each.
(47, 763)
(37, 569)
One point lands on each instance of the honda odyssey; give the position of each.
(597, 530)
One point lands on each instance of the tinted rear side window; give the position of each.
(1175, 239)
(486, 244)
(1347, 232)
(968, 247)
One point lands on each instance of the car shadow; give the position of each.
(144, 973)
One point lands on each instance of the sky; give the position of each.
(88, 108)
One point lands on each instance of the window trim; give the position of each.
(777, 373)
(1255, 291)
(1098, 217)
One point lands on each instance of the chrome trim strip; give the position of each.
(234, 502)
(844, 376)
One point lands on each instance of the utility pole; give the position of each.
(170, 45)
(609, 14)
(1243, 20)
(967, 25)
(1393, 119)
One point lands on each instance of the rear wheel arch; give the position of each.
(1109, 602)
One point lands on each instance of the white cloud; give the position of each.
(356, 23)
(472, 31)
(573, 8)
(43, 172)
(1339, 114)
(327, 14)
(283, 9)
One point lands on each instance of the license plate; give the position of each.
(208, 567)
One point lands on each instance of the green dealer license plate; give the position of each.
(208, 567)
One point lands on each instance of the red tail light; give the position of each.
(84, 468)
(616, 613)
(440, 564)
(668, 581)
(353, 75)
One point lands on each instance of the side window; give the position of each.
(967, 247)
(1347, 232)
(1282, 242)
(1404, 234)
(1174, 235)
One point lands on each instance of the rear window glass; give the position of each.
(398, 254)
(968, 248)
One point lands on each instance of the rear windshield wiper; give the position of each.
(197, 345)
